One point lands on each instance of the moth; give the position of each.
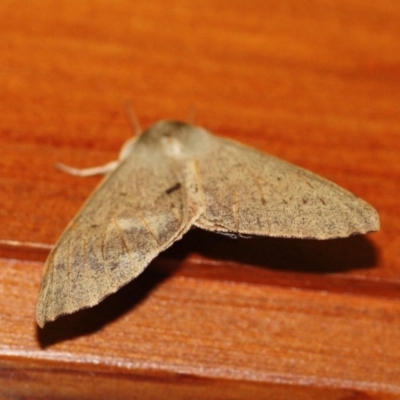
(174, 176)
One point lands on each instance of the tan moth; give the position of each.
(172, 177)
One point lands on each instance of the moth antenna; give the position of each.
(132, 118)
(192, 115)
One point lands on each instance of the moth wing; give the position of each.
(139, 210)
(247, 192)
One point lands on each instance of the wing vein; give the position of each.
(69, 295)
(121, 233)
(235, 209)
(146, 224)
(200, 184)
(51, 297)
(85, 263)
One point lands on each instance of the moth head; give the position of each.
(175, 139)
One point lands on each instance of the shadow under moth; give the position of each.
(174, 176)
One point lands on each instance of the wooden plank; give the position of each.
(236, 333)
(316, 84)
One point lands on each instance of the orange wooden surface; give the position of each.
(316, 83)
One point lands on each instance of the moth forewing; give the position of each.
(251, 193)
(128, 220)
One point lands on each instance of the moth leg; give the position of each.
(126, 149)
(84, 172)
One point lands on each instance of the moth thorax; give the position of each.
(172, 146)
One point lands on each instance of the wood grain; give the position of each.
(317, 84)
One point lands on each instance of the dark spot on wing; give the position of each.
(174, 188)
